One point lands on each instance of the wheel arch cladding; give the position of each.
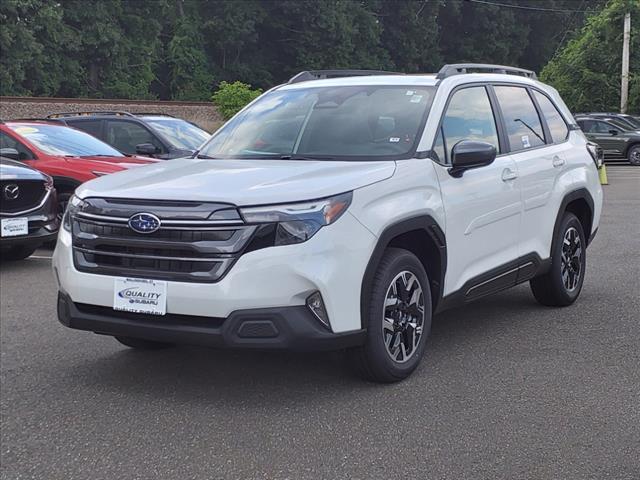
(635, 143)
(580, 203)
(423, 237)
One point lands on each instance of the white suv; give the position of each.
(341, 210)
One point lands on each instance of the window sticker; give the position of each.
(416, 99)
(410, 93)
(25, 130)
(394, 139)
(525, 141)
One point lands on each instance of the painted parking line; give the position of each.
(40, 257)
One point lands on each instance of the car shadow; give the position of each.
(188, 373)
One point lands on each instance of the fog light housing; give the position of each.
(316, 305)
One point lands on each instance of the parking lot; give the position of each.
(508, 389)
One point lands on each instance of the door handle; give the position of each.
(557, 161)
(508, 174)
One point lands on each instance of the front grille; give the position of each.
(189, 248)
(21, 195)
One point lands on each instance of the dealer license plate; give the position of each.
(140, 296)
(13, 227)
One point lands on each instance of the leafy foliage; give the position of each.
(587, 71)
(231, 97)
(181, 49)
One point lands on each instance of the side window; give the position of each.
(555, 122)
(92, 127)
(9, 142)
(469, 117)
(125, 135)
(520, 117)
(603, 127)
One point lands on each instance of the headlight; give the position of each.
(74, 205)
(298, 222)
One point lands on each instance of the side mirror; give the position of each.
(10, 153)
(146, 149)
(467, 154)
(613, 132)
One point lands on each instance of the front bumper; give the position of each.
(332, 262)
(291, 328)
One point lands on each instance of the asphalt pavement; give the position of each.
(508, 389)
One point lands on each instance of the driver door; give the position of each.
(483, 206)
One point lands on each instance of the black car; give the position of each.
(149, 134)
(631, 122)
(617, 141)
(28, 210)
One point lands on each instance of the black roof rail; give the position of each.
(87, 113)
(321, 74)
(34, 119)
(152, 114)
(462, 68)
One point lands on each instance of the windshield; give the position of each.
(65, 141)
(633, 121)
(621, 123)
(366, 122)
(179, 133)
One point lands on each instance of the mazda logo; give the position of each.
(144, 223)
(11, 191)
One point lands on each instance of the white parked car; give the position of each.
(341, 210)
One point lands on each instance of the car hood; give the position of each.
(240, 182)
(111, 164)
(12, 170)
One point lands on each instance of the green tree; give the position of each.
(230, 98)
(587, 71)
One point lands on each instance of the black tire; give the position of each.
(634, 155)
(19, 252)
(373, 361)
(562, 284)
(142, 344)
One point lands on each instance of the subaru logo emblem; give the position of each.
(11, 191)
(144, 223)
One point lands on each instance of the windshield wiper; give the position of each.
(306, 157)
(206, 157)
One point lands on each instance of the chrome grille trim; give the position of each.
(196, 250)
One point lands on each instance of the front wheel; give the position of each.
(562, 284)
(634, 155)
(398, 319)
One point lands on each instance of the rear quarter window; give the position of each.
(555, 122)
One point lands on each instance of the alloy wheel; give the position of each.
(571, 267)
(403, 316)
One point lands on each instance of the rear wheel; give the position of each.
(562, 284)
(634, 155)
(399, 319)
(17, 253)
(142, 344)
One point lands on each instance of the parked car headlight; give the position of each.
(74, 205)
(298, 222)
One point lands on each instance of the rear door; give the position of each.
(537, 136)
(482, 207)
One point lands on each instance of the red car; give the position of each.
(68, 155)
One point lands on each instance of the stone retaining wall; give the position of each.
(203, 114)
